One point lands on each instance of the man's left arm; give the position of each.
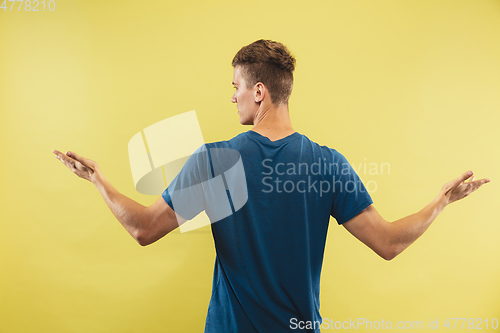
(388, 239)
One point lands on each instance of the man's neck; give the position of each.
(273, 122)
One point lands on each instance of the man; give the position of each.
(270, 252)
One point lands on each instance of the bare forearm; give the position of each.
(128, 212)
(405, 231)
(388, 239)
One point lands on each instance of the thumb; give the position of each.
(83, 160)
(456, 182)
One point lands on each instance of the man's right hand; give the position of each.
(80, 166)
(460, 188)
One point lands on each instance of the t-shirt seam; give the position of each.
(272, 143)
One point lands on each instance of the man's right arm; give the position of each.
(388, 239)
(162, 220)
(145, 224)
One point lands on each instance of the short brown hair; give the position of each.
(268, 62)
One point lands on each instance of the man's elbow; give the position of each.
(142, 237)
(146, 237)
(389, 256)
(390, 252)
(143, 241)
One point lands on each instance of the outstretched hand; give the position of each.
(80, 166)
(461, 187)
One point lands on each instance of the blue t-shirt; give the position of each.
(270, 228)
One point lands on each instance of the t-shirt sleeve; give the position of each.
(350, 196)
(185, 193)
(211, 180)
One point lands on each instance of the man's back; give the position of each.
(270, 252)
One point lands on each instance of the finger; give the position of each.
(63, 158)
(58, 153)
(68, 161)
(76, 167)
(60, 156)
(478, 183)
(473, 186)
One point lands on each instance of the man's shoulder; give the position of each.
(231, 143)
(315, 146)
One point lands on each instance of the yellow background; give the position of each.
(415, 84)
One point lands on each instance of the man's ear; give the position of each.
(259, 92)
